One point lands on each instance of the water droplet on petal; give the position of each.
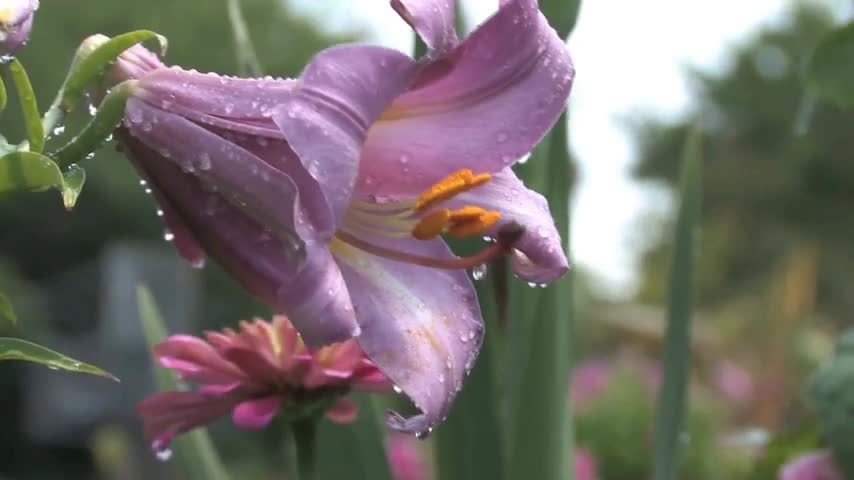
(479, 272)
(397, 389)
(143, 183)
(168, 236)
(162, 452)
(502, 137)
(159, 212)
(204, 161)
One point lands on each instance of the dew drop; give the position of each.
(90, 155)
(404, 159)
(93, 110)
(479, 272)
(502, 137)
(229, 107)
(168, 236)
(204, 161)
(148, 191)
(159, 212)
(143, 183)
(59, 129)
(162, 453)
(397, 389)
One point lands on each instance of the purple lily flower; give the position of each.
(16, 21)
(327, 196)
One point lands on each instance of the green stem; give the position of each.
(300, 449)
(247, 58)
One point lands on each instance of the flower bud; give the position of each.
(16, 21)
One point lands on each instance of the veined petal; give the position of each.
(305, 285)
(169, 414)
(538, 255)
(421, 326)
(193, 94)
(435, 21)
(483, 106)
(196, 360)
(325, 119)
(263, 192)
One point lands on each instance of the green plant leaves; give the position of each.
(17, 349)
(194, 452)
(108, 116)
(677, 343)
(7, 312)
(89, 64)
(34, 172)
(562, 14)
(29, 106)
(830, 73)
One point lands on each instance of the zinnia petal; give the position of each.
(325, 119)
(434, 20)
(256, 414)
(421, 326)
(538, 255)
(344, 411)
(483, 106)
(196, 360)
(169, 414)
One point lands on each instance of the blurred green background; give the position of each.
(776, 278)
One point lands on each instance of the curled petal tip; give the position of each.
(418, 425)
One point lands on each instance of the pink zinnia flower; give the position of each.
(812, 466)
(254, 374)
(405, 459)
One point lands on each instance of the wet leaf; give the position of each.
(29, 106)
(17, 349)
(830, 73)
(28, 171)
(6, 310)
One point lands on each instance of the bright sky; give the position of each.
(629, 57)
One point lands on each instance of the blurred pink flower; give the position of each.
(734, 382)
(405, 459)
(253, 374)
(585, 465)
(589, 380)
(812, 466)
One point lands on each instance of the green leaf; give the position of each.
(28, 171)
(830, 73)
(354, 451)
(469, 441)
(538, 353)
(29, 107)
(247, 59)
(17, 349)
(562, 14)
(99, 129)
(677, 343)
(3, 96)
(35, 172)
(89, 65)
(194, 452)
(6, 310)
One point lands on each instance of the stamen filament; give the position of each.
(493, 252)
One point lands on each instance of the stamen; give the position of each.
(449, 187)
(432, 225)
(505, 240)
(474, 226)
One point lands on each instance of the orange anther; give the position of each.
(466, 214)
(472, 227)
(449, 187)
(432, 225)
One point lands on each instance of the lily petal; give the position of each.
(192, 94)
(326, 118)
(421, 326)
(261, 191)
(483, 106)
(256, 414)
(538, 256)
(433, 20)
(308, 287)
